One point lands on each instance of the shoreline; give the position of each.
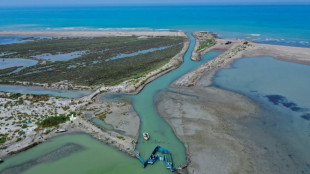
(236, 50)
(91, 33)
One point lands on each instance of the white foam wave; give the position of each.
(255, 35)
(34, 27)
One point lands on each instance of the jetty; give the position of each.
(167, 158)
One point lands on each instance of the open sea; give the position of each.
(273, 24)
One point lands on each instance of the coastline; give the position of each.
(236, 50)
(91, 33)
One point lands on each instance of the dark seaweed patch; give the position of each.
(278, 99)
(275, 99)
(306, 116)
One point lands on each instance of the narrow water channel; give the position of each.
(160, 132)
(43, 91)
(94, 157)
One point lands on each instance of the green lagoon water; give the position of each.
(91, 156)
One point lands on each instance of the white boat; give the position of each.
(146, 135)
(60, 130)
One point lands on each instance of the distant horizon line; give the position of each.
(161, 4)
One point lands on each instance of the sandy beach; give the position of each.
(236, 50)
(91, 33)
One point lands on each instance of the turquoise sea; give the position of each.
(275, 24)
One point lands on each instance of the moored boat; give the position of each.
(146, 135)
(60, 130)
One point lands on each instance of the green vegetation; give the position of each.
(53, 121)
(206, 44)
(47, 132)
(37, 98)
(121, 137)
(91, 68)
(8, 70)
(15, 95)
(3, 138)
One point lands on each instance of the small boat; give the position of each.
(146, 135)
(228, 42)
(60, 130)
(1, 160)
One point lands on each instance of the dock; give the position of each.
(167, 158)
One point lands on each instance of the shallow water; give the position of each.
(121, 56)
(4, 40)
(42, 91)
(60, 56)
(98, 122)
(100, 158)
(93, 157)
(16, 62)
(13, 39)
(282, 127)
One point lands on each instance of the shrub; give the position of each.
(53, 121)
(121, 137)
(3, 138)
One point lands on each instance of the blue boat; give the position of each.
(154, 157)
